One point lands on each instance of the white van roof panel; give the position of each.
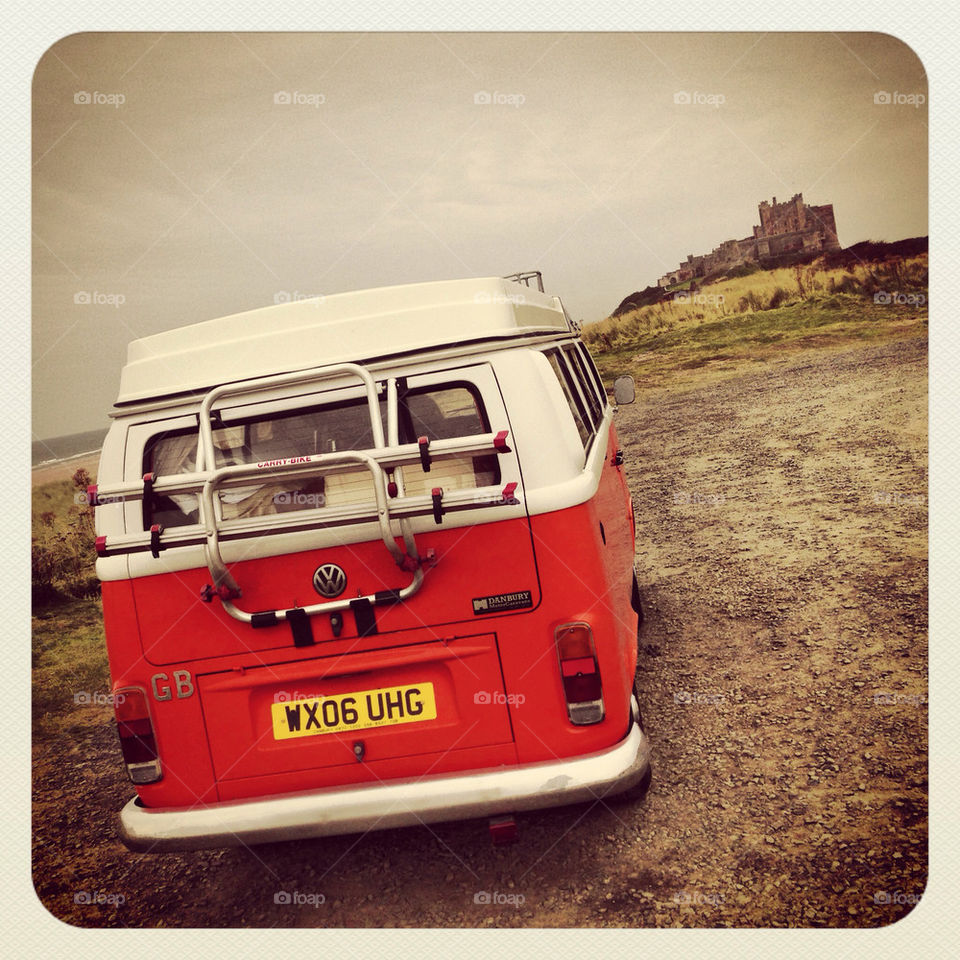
(342, 327)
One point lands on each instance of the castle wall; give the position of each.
(788, 227)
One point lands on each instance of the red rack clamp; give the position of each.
(148, 479)
(500, 442)
(207, 593)
(155, 545)
(437, 496)
(427, 559)
(424, 444)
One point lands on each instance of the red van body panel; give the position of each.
(497, 678)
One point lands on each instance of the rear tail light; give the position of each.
(582, 688)
(137, 740)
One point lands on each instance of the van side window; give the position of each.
(594, 372)
(594, 406)
(437, 412)
(570, 392)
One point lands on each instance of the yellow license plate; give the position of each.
(382, 707)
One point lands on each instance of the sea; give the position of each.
(56, 449)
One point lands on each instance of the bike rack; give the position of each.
(222, 576)
(206, 451)
(388, 508)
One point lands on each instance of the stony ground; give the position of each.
(782, 547)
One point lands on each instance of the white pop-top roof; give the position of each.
(346, 326)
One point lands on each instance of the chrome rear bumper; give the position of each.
(396, 803)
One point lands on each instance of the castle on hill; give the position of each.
(789, 227)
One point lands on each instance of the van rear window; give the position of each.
(436, 412)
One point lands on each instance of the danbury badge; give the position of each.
(502, 601)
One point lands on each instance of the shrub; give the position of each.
(778, 298)
(62, 555)
(847, 283)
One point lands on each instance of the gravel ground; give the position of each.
(782, 538)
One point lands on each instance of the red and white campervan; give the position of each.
(367, 561)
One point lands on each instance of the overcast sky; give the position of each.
(173, 182)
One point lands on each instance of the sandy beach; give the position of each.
(65, 469)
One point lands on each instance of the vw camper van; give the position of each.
(367, 561)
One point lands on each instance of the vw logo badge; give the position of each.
(329, 580)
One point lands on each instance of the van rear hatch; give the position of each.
(385, 703)
(279, 531)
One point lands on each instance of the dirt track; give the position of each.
(782, 546)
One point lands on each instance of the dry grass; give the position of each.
(761, 291)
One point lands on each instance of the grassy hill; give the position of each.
(737, 321)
